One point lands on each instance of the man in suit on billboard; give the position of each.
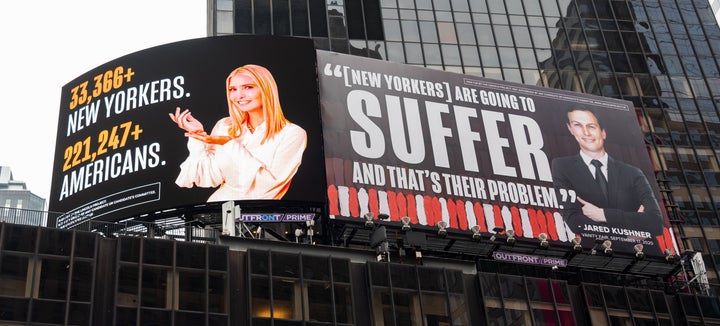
(614, 199)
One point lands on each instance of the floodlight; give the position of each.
(577, 246)
(405, 220)
(543, 237)
(670, 255)
(639, 254)
(476, 233)
(369, 216)
(510, 237)
(606, 247)
(442, 232)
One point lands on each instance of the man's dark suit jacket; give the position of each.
(628, 188)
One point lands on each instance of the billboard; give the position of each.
(439, 146)
(204, 120)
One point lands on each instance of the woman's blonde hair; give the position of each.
(274, 118)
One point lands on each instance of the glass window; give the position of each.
(414, 53)
(55, 242)
(395, 52)
(217, 293)
(489, 56)
(503, 36)
(410, 31)
(478, 6)
(155, 287)
(484, 35)
(451, 54)
(343, 304)
(54, 276)
(127, 289)
(432, 54)
(316, 268)
(191, 288)
(392, 30)
(285, 265)
(82, 277)
(48, 312)
(260, 296)
(15, 238)
(286, 299)
(593, 296)
(300, 23)
(158, 252)
(522, 36)
(281, 17)
(447, 32)
(470, 55)
(508, 57)
(428, 32)
(539, 290)
(466, 34)
(190, 255)
(14, 273)
(496, 7)
(408, 14)
(320, 305)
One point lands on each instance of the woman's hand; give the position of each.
(208, 139)
(187, 122)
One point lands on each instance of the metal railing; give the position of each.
(26, 216)
(158, 230)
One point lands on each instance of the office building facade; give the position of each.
(17, 203)
(661, 55)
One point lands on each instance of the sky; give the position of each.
(48, 43)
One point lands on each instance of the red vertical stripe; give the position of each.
(412, 208)
(517, 223)
(498, 216)
(373, 202)
(401, 204)
(552, 228)
(392, 206)
(462, 214)
(333, 208)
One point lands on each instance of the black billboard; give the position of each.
(204, 120)
(438, 146)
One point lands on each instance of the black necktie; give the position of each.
(600, 177)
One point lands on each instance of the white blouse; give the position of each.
(243, 167)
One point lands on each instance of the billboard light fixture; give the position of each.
(639, 254)
(577, 244)
(670, 255)
(298, 233)
(476, 233)
(369, 216)
(442, 229)
(405, 220)
(510, 237)
(543, 238)
(607, 250)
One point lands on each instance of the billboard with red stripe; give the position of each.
(438, 146)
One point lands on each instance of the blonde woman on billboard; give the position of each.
(251, 154)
